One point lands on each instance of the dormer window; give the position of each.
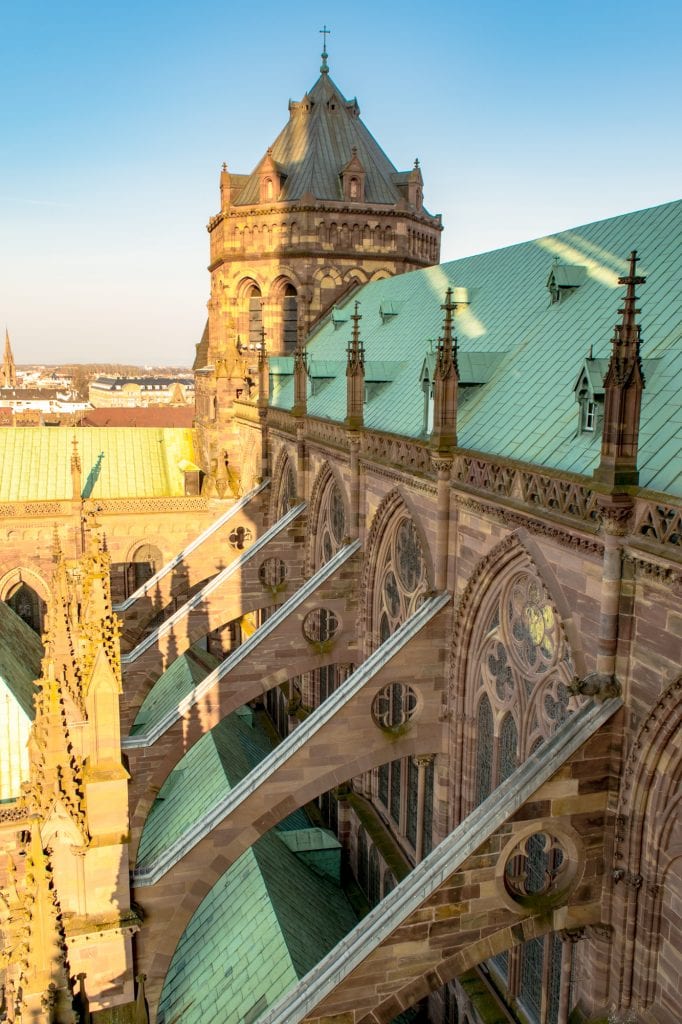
(589, 413)
(563, 280)
(426, 381)
(268, 189)
(589, 394)
(353, 178)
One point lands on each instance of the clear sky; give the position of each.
(527, 118)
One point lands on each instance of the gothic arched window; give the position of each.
(520, 667)
(289, 319)
(286, 498)
(331, 524)
(401, 581)
(145, 562)
(28, 605)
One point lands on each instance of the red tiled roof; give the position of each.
(151, 416)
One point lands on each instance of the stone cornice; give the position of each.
(326, 206)
(356, 256)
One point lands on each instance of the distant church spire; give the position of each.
(324, 67)
(623, 386)
(8, 372)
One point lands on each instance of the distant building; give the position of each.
(129, 392)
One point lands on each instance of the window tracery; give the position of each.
(401, 578)
(400, 584)
(521, 669)
(331, 528)
(286, 498)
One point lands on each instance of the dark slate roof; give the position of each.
(525, 406)
(315, 146)
(20, 655)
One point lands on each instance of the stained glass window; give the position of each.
(508, 748)
(389, 882)
(362, 859)
(396, 772)
(555, 952)
(523, 667)
(383, 784)
(484, 759)
(412, 786)
(428, 807)
(25, 603)
(532, 962)
(374, 880)
(331, 524)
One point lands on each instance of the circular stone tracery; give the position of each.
(394, 706)
(320, 626)
(272, 573)
(240, 537)
(539, 869)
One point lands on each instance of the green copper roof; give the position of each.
(116, 462)
(317, 143)
(265, 924)
(177, 681)
(20, 655)
(209, 769)
(525, 406)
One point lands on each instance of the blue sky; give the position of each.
(527, 118)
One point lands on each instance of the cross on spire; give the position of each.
(627, 332)
(324, 32)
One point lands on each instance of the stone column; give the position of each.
(354, 445)
(443, 466)
(568, 937)
(422, 765)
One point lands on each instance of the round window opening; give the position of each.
(394, 707)
(540, 869)
(240, 537)
(320, 626)
(272, 573)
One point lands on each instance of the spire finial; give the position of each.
(623, 386)
(324, 32)
(447, 345)
(627, 332)
(356, 349)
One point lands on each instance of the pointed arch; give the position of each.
(283, 490)
(328, 504)
(27, 594)
(650, 858)
(509, 643)
(394, 510)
